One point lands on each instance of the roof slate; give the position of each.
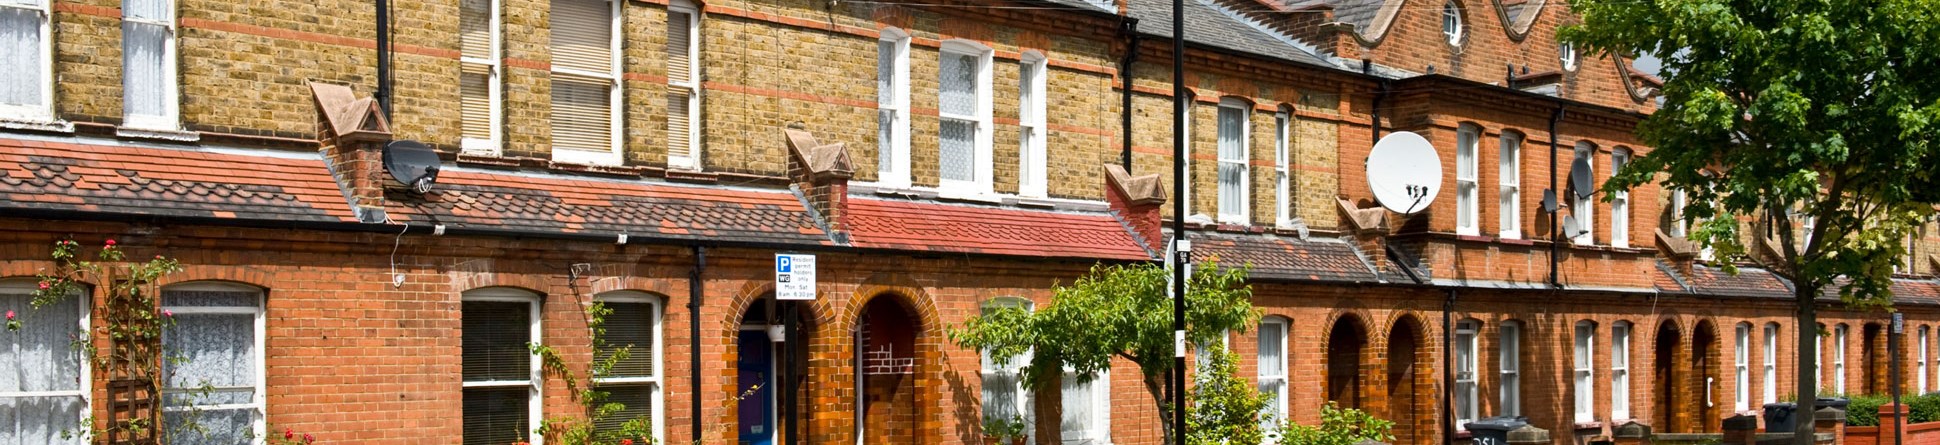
(500, 200)
(935, 227)
(1209, 25)
(1284, 258)
(121, 179)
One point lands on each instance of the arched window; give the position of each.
(215, 344)
(632, 325)
(1452, 23)
(892, 108)
(1467, 401)
(1585, 373)
(1004, 394)
(502, 403)
(1273, 370)
(1235, 155)
(46, 391)
(1567, 52)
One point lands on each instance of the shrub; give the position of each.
(1222, 408)
(1864, 410)
(1338, 427)
(1924, 407)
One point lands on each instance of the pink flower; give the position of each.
(168, 313)
(9, 315)
(307, 438)
(111, 242)
(44, 285)
(289, 433)
(626, 441)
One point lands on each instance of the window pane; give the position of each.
(680, 42)
(495, 416)
(38, 357)
(885, 72)
(582, 113)
(20, 48)
(582, 35)
(494, 337)
(41, 420)
(1027, 92)
(203, 298)
(144, 78)
(637, 401)
(885, 140)
(1078, 405)
(1272, 363)
(475, 100)
(958, 91)
(1232, 199)
(958, 147)
(155, 10)
(630, 325)
(1000, 393)
(475, 28)
(218, 350)
(227, 426)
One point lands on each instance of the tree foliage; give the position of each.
(1783, 111)
(1221, 408)
(1114, 311)
(1338, 427)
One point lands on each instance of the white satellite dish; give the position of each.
(1404, 172)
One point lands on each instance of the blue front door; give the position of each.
(757, 410)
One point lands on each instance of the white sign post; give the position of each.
(794, 276)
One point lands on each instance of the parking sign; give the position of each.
(794, 276)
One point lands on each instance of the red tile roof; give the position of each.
(120, 179)
(922, 226)
(560, 204)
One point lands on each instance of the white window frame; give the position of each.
(83, 390)
(1243, 214)
(658, 380)
(1923, 360)
(1567, 52)
(1278, 400)
(1452, 23)
(615, 95)
(981, 184)
(1468, 193)
(44, 111)
(1818, 359)
(1509, 161)
(1584, 209)
(495, 93)
(1100, 431)
(534, 383)
(1283, 168)
(1467, 392)
(1771, 362)
(259, 402)
(986, 366)
(170, 119)
(1679, 227)
(1585, 372)
(1186, 191)
(692, 85)
(894, 152)
(1620, 202)
(1509, 359)
(1620, 370)
(1839, 358)
(1033, 153)
(1741, 368)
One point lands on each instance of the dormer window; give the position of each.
(1452, 23)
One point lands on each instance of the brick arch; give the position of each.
(1344, 382)
(1408, 389)
(817, 333)
(481, 280)
(1355, 313)
(930, 365)
(235, 274)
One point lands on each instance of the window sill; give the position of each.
(171, 135)
(52, 126)
(971, 197)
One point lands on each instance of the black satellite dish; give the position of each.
(411, 163)
(1549, 200)
(1580, 177)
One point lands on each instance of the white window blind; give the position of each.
(1509, 164)
(1584, 208)
(1466, 400)
(478, 71)
(42, 378)
(1087, 410)
(1509, 356)
(148, 64)
(1234, 170)
(1032, 157)
(1771, 363)
(1620, 203)
(1585, 360)
(1743, 399)
(1004, 394)
(26, 86)
(892, 109)
(501, 398)
(1273, 371)
(683, 85)
(218, 334)
(1466, 192)
(964, 112)
(584, 83)
(1620, 370)
(635, 382)
(1282, 168)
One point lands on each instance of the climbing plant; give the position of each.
(132, 323)
(594, 403)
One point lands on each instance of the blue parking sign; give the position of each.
(783, 264)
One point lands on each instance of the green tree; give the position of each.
(1782, 112)
(1338, 427)
(1221, 408)
(1115, 311)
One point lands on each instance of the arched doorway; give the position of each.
(1344, 344)
(770, 370)
(1404, 374)
(1664, 375)
(1705, 354)
(885, 343)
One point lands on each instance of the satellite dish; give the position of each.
(1549, 200)
(1571, 228)
(1404, 172)
(411, 163)
(1580, 177)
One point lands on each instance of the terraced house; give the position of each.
(933, 158)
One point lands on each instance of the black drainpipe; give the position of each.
(1374, 118)
(695, 291)
(1555, 238)
(1448, 371)
(1129, 27)
(384, 57)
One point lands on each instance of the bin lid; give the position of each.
(1786, 405)
(1498, 423)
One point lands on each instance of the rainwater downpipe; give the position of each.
(695, 292)
(1555, 232)
(1448, 372)
(1130, 28)
(383, 93)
